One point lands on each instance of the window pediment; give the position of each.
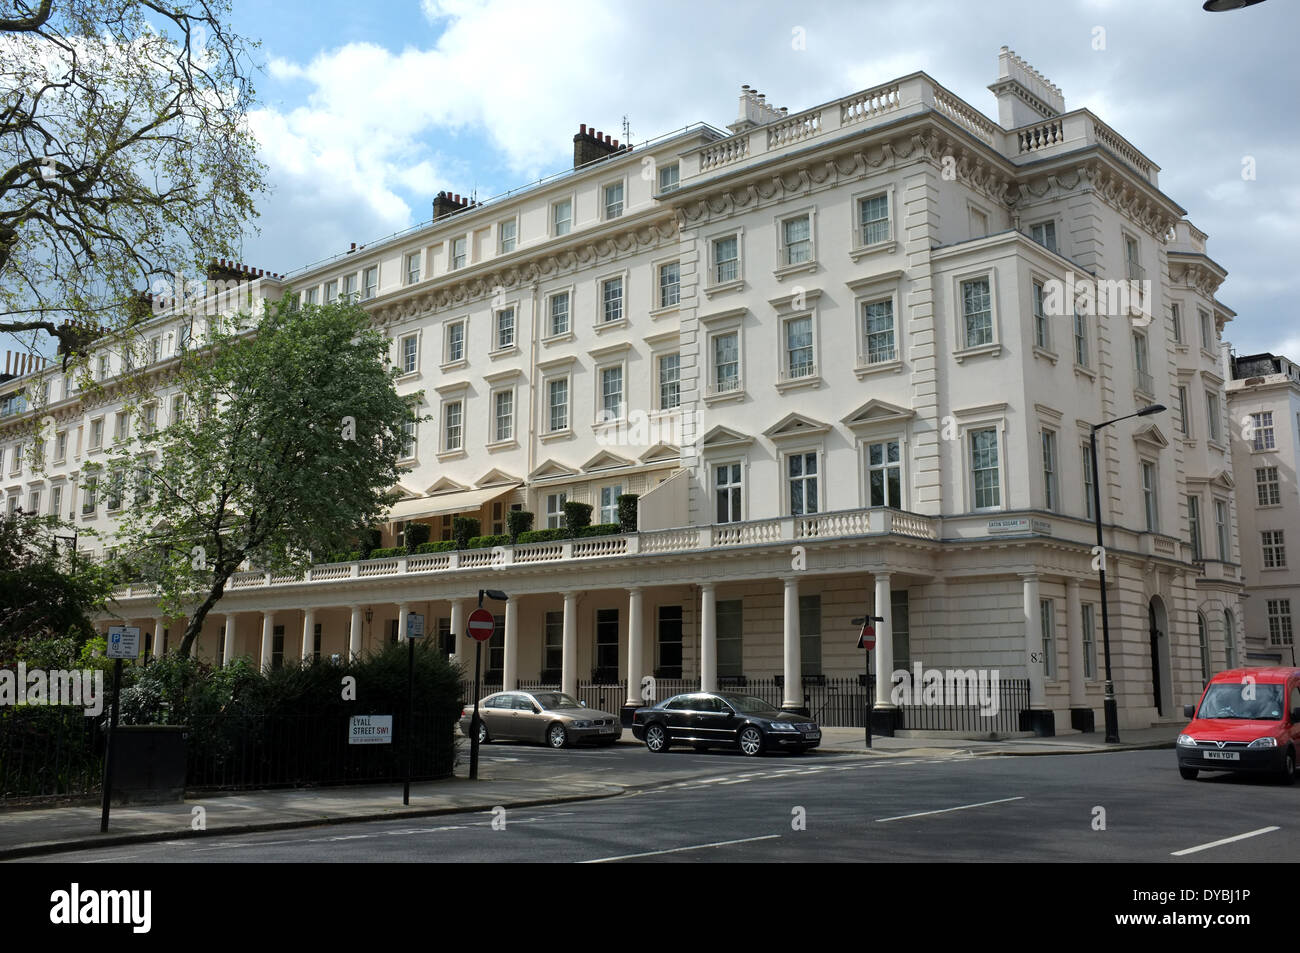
(876, 412)
(795, 425)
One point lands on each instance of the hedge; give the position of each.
(542, 536)
(443, 546)
(487, 542)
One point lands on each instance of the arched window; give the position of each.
(1205, 647)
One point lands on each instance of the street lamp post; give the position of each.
(1112, 710)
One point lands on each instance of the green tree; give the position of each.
(43, 594)
(125, 156)
(288, 441)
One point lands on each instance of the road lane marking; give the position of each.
(1226, 840)
(678, 850)
(949, 810)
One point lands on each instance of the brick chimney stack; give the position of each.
(446, 203)
(590, 145)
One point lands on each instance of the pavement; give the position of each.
(44, 830)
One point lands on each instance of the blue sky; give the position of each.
(367, 110)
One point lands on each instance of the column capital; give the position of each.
(883, 574)
(634, 590)
(707, 586)
(1072, 582)
(1028, 576)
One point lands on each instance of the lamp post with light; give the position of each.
(1112, 712)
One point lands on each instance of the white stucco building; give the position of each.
(1264, 404)
(848, 357)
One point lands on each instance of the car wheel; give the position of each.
(656, 738)
(483, 736)
(1288, 767)
(751, 741)
(1189, 774)
(556, 736)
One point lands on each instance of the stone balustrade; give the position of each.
(913, 96)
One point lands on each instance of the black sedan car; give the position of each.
(709, 719)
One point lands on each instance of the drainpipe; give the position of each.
(532, 389)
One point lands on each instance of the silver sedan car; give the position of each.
(553, 718)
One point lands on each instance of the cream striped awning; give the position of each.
(461, 501)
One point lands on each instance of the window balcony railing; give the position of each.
(728, 385)
(797, 372)
(1146, 384)
(881, 355)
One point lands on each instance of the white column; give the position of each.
(308, 633)
(884, 643)
(402, 609)
(708, 638)
(158, 637)
(460, 638)
(230, 638)
(569, 665)
(268, 621)
(510, 668)
(1034, 643)
(1074, 634)
(793, 648)
(354, 633)
(635, 652)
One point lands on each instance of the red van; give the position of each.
(1248, 720)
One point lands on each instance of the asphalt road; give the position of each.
(719, 807)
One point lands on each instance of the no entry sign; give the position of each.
(481, 624)
(868, 638)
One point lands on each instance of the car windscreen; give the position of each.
(1245, 700)
(553, 700)
(749, 705)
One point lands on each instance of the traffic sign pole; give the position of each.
(108, 747)
(481, 626)
(867, 642)
(123, 642)
(414, 629)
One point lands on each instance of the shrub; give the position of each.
(442, 546)
(343, 557)
(464, 528)
(387, 552)
(369, 540)
(542, 536)
(417, 534)
(600, 529)
(487, 542)
(518, 522)
(577, 516)
(627, 512)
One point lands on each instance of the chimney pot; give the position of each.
(615, 143)
(582, 129)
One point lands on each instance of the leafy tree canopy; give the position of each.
(125, 156)
(288, 442)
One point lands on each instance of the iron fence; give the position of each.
(49, 752)
(834, 702)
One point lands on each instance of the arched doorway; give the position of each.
(1158, 635)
